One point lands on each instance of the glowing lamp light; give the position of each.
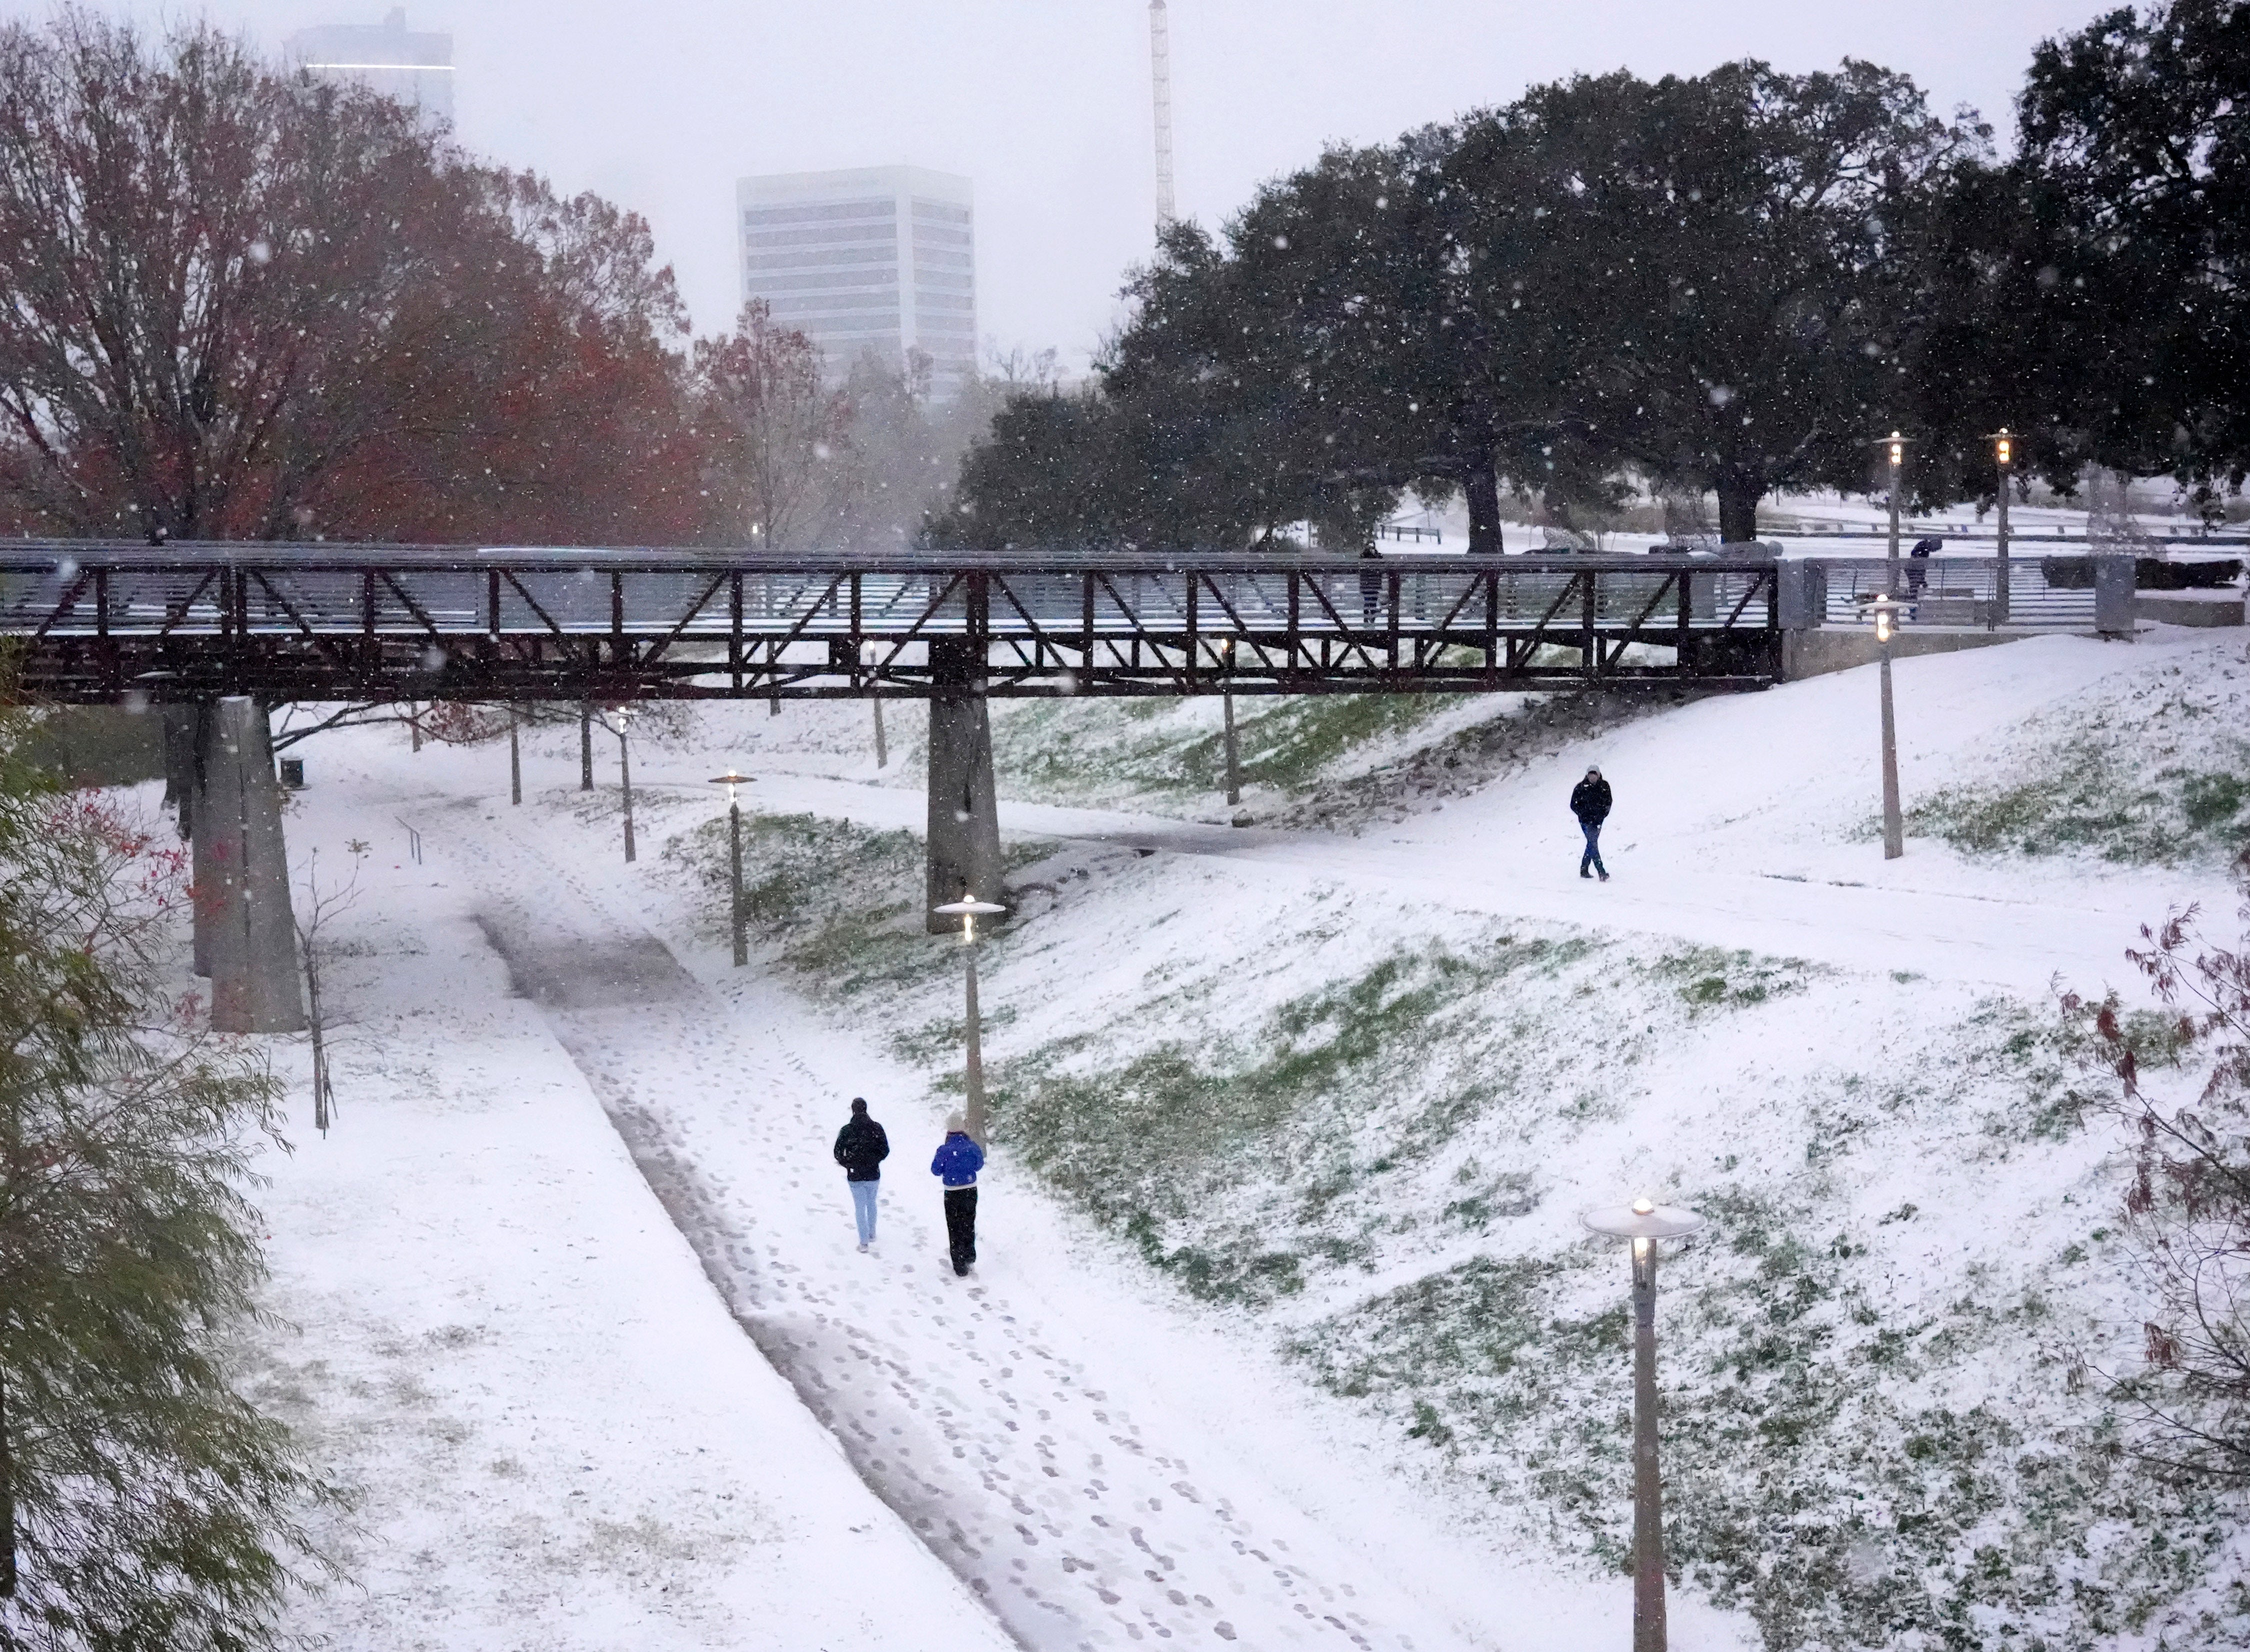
(731, 780)
(1898, 450)
(2004, 447)
(1884, 611)
(968, 909)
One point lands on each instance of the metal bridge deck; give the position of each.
(94, 622)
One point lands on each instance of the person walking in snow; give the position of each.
(1917, 565)
(861, 1146)
(955, 1164)
(1590, 801)
(1370, 586)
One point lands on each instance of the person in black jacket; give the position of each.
(861, 1146)
(1590, 801)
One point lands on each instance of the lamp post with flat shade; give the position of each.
(731, 779)
(1233, 749)
(1645, 1222)
(1885, 611)
(968, 909)
(1893, 446)
(624, 771)
(2004, 461)
(875, 700)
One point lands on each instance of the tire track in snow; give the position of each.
(966, 1414)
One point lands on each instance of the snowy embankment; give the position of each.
(1285, 1327)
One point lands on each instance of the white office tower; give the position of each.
(416, 69)
(882, 259)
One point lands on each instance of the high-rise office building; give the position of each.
(880, 259)
(416, 69)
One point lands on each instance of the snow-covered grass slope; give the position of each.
(1356, 1096)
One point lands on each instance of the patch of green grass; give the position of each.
(1711, 978)
(1087, 749)
(2096, 800)
(843, 901)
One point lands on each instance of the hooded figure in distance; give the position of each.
(1590, 801)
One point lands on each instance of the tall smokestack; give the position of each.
(1160, 66)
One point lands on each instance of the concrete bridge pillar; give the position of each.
(964, 817)
(183, 738)
(246, 932)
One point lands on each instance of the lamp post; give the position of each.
(1645, 1223)
(2004, 459)
(515, 756)
(968, 909)
(875, 699)
(731, 779)
(1233, 749)
(1894, 451)
(1885, 610)
(624, 773)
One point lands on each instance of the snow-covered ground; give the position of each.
(570, 1433)
(562, 1438)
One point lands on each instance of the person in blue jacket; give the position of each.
(956, 1164)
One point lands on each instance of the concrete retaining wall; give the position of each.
(2189, 608)
(1815, 653)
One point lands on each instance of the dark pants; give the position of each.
(961, 1227)
(1593, 855)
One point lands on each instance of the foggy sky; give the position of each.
(1044, 104)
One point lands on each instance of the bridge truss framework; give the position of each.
(101, 622)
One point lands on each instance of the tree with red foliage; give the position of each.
(246, 305)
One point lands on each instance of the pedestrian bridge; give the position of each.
(97, 622)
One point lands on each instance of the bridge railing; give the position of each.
(1944, 591)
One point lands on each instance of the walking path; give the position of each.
(488, 1331)
(1734, 828)
(1098, 1467)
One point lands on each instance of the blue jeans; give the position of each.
(1593, 856)
(863, 1209)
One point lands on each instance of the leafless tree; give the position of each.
(2182, 1090)
(773, 434)
(320, 907)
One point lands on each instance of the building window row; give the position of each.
(842, 234)
(943, 212)
(884, 209)
(810, 302)
(878, 257)
(809, 280)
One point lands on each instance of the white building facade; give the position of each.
(387, 58)
(880, 260)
